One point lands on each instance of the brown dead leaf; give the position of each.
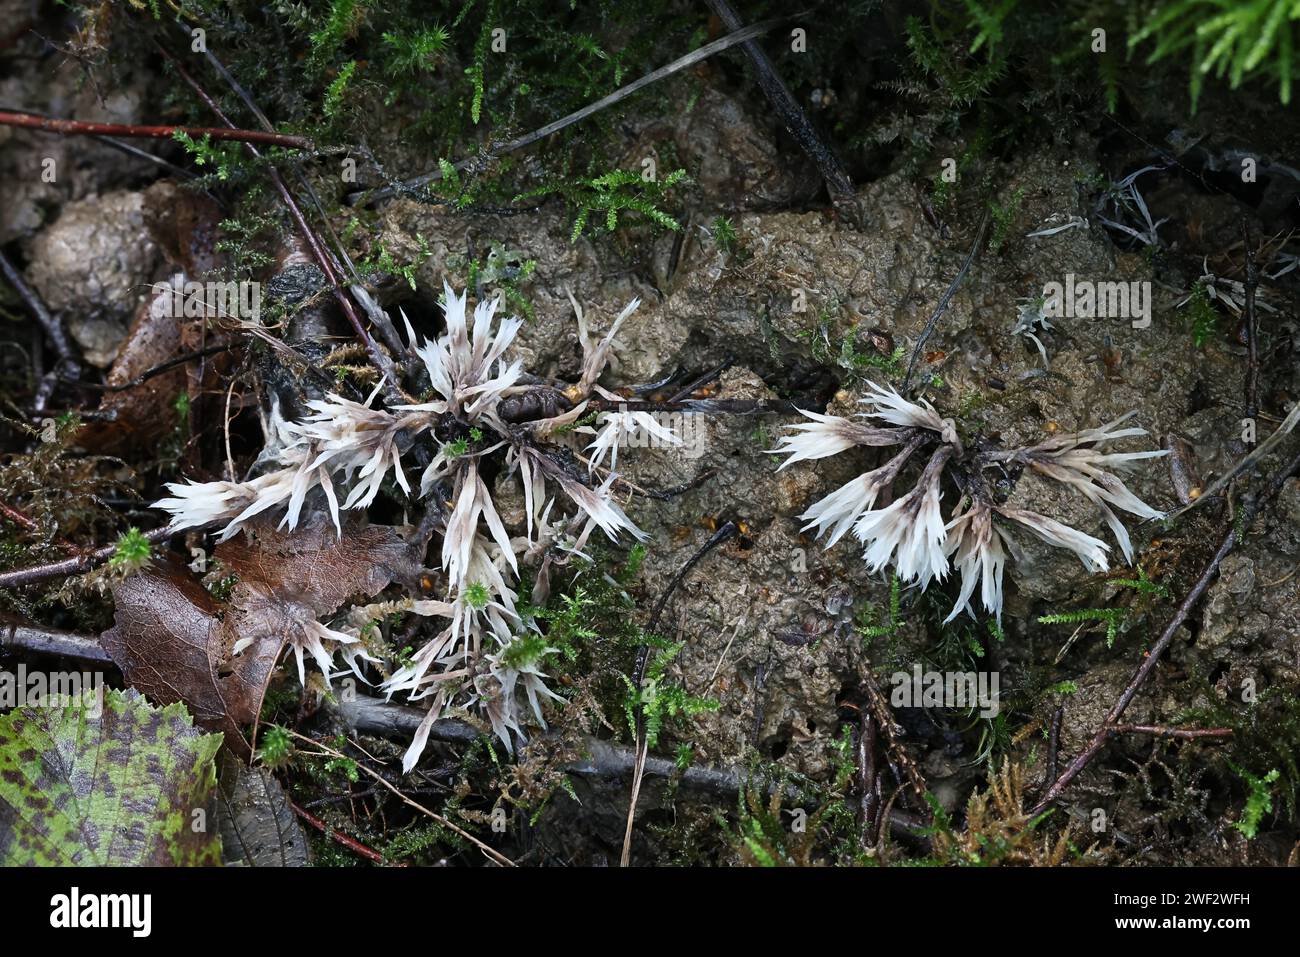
(175, 642)
(172, 642)
(184, 225)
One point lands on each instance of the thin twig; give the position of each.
(725, 532)
(377, 316)
(1160, 731)
(49, 124)
(1103, 733)
(130, 149)
(1252, 331)
(946, 299)
(48, 641)
(323, 259)
(351, 843)
(71, 566)
(36, 306)
(445, 822)
(704, 406)
(1256, 454)
(622, 93)
(24, 520)
(838, 183)
(868, 779)
(158, 370)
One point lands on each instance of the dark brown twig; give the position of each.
(1252, 330)
(868, 755)
(158, 370)
(946, 299)
(53, 328)
(1104, 733)
(48, 124)
(838, 183)
(377, 315)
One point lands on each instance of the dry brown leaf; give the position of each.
(174, 641)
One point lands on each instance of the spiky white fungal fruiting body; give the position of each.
(910, 535)
(483, 651)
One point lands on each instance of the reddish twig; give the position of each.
(48, 124)
(1111, 721)
(23, 520)
(351, 843)
(323, 259)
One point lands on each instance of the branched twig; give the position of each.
(323, 259)
(1111, 722)
(49, 124)
(53, 328)
(377, 316)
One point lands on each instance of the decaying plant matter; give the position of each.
(479, 403)
(911, 534)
